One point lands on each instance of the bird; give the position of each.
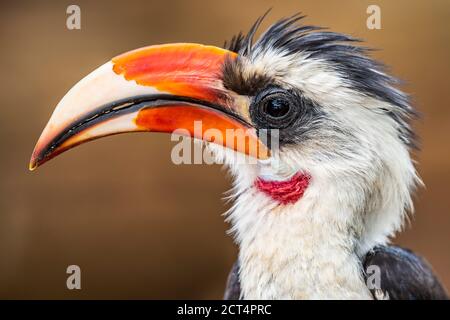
(314, 213)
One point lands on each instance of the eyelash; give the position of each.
(263, 119)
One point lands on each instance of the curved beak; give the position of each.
(158, 88)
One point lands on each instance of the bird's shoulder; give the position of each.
(233, 287)
(403, 275)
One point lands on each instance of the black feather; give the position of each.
(405, 275)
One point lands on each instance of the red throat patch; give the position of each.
(285, 192)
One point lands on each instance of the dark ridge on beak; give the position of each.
(129, 105)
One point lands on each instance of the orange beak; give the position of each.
(158, 88)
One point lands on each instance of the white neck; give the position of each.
(302, 251)
(297, 255)
(313, 249)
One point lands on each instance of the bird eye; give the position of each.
(273, 109)
(276, 107)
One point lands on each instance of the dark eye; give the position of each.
(274, 108)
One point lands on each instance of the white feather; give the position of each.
(359, 194)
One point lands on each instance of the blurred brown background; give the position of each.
(137, 225)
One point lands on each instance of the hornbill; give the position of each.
(310, 216)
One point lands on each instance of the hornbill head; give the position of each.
(343, 128)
